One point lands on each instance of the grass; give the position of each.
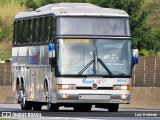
(8, 10)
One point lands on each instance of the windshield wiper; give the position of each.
(92, 61)
(105, 67)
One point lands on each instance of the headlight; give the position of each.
(124, 96)
(122, 87)
(66, 86)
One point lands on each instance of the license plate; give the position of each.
(100, 97)
(115, 101)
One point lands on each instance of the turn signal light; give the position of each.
(66, 86)
(122, 87)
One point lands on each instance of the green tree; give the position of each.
(30, 4)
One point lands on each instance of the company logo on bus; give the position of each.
(34, 58)
(94, 86)
(87, 81)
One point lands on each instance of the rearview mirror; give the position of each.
(51, 49)
(135, 56)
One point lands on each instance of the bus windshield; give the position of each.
(103, 57)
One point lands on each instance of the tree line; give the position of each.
(144, 39)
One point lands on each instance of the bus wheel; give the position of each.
(18, 94)
(25, 105)
(37, 106)
(113, 107)
(52, 107)
(46, 92)
(82, 108)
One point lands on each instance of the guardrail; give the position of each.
(145, 91)
(5, 74)
(145, 74)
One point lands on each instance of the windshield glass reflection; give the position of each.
(93, 57)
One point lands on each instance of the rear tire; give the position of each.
(37, 106)
(25, 105)
(113, 107)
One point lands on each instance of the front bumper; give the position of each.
(92, 96)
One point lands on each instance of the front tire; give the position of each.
(113, 107)
(37, 106)
(52, 107)
(82, 108)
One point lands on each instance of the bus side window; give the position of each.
(31, 31)
(42, 29)
(36, 35)
(26, 31)
(19, 32)
(48, 29)
(22, 32)
(15, 32)
(53, 28)
(39, 34)
(45, 29)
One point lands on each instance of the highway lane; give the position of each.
(68, 113)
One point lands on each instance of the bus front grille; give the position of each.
(99, 88)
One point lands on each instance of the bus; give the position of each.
(72, 55)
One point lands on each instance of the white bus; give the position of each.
(72, 55)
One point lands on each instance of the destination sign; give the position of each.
(76, 40)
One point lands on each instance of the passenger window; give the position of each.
(42, 29)
(19, 32)
(53, 27)
(36, 22)
(31, 30)
(48, 29)
(26, 31)
(15, 32)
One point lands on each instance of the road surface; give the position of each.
(13, 110)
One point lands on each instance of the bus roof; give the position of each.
(72, 9)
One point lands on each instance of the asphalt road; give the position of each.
(13, 110)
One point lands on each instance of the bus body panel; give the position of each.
(89, 81)
(104, 90)
(31, 65)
